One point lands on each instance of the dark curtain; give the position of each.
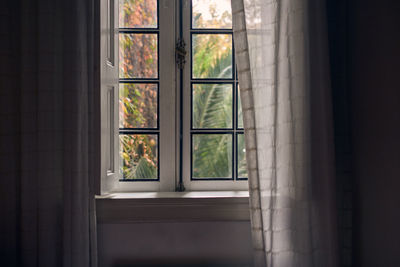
(47, 141)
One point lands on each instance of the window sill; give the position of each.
(173, 207)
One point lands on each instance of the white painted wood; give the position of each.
(167, 96)
(108, 94)
(191, 194)
(173, 207)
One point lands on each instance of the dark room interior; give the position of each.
(363, 38)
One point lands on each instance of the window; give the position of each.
(171, 122)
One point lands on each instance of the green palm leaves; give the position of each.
(212, 155)
(212, 106)
(212, 56)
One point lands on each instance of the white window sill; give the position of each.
(173, 206)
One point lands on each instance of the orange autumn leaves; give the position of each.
(138, 101)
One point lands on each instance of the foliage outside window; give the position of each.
(217, 146)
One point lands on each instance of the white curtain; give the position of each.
(47, 149)
(281, 53)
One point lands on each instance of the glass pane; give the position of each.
(240, 114)
(212, 156)
(139, 156)
(212, 105)
(137, 105)
(211, 14)
(212, 56)
(138, 55)
(138, 13)
(241, 155)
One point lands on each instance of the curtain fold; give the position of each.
(283, 72)
(47, 87)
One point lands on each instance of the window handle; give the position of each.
(180, 53)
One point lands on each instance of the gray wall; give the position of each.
(374, 79)
(227, 243)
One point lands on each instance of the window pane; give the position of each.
(211, 14)
(212, 56)
(241, 157)
(138, 55)
(137, 105)
(212, 105)
(211, 156)
(138, 13)
(139, 156)
(240, 114)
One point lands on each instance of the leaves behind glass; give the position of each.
(138, 13)
(212, 156)
(211, 14)
(212, 106)
(138, 55)
(241, 156)
(137, 105)
(139, 156)
(212, 56)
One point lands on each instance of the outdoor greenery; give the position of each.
(212, 108)
(139, 155)
(138, 102)
(212, 103)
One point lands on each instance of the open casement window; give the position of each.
(109, 168)
(168, 122)
(213, 144)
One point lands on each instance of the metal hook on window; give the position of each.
(180, 53)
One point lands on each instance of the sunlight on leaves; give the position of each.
(212, 56)
(212, 106)
(211, 14)
(138, 13)
(139, 156)
(138, 55)
(137, 105)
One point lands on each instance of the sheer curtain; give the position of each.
(284, 88)
(47, 133)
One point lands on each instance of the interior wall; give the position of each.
(374, 54)
(175, 243)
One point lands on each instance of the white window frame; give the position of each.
(190, 184)
(108, 62)
(167, 103)
(169, 117)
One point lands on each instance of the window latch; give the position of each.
(180, 53)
